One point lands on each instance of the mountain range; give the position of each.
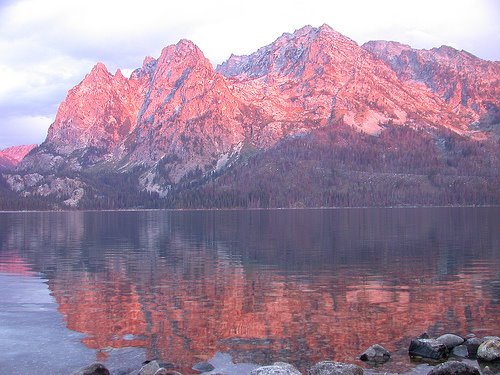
(312, 119)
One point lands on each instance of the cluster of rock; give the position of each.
(485, 349)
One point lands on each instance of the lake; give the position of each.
(265, 285)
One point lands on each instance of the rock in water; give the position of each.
(375, 353)
(278, 368)
(94, 369)
(454, 368)
(461, 351)
(335, 368)
(203, 367)
(489, 351)
(428, 348)
(149, 368)
(450, 340)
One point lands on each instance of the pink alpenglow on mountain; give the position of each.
(12, 156)
(177, 122)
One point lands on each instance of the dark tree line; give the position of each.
(333, 166)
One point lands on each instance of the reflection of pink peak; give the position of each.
(14, 264)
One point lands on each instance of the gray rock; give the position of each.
(460, 351)
(491, 338)
(94, 369)
(487, 371)
(428, 348)
(164, 371)
(335, 368)
(489, 351)
(450, 340)
(454, 368)
(277, 368)
(473, 344)
(149, 368)
(375, 353)
(203, 367)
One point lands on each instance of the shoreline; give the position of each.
(448, 354)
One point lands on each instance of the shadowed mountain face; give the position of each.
(294, 285)
(177, 122)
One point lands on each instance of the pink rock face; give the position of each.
(12, 156)
(189, 113)
(461, 79)
(99, 112)
(177, 117)
(315, 77)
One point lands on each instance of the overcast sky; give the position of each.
(47, 47)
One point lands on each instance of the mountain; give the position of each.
(10, 157)
(460, 78)
(180, 133)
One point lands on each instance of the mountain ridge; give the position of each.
(177, 122)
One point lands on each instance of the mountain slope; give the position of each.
(461, 79)
(319, 76)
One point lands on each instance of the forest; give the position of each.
(335, 166)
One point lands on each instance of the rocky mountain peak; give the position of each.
(283, 55)
(10, 157)
(458, 77)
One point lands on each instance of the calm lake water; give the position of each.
(280, 285)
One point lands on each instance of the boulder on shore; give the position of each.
(428, 348)
(460, 351)
(489, 350)
(277, 368)
(450, 340)
(203, 367)
(93, 369)
(472, 345)
(335, 368)
(454, 368)
(375, 353)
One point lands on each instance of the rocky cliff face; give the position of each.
(12, 156)
(177, 121)
(458, 77)
(317, 76)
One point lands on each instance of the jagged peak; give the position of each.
(119, 74)
(148, 60)
(185, 52)
(396, 48)
(98, 68)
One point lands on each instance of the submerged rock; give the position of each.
(428, 348)
(93, 369)
(149, 368)
(203, 367)
(450, 340)
(461, 351)
(164, 371)
(454, 368)
(278, 368)
(375, 353)
(335, 368)
(489, 351)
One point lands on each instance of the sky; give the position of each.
(47, 47)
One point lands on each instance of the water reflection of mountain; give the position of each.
(264, 285)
